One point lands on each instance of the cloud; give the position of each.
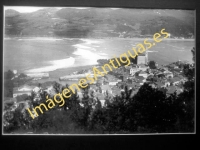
(23, 9)
(114, 8)
(28, 9)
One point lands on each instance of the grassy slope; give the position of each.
(98, 22)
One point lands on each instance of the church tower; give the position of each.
(142, 58)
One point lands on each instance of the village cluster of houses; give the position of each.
(168, 77)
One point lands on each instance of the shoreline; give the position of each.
(117, 38)
(83, 44)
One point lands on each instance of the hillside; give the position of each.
(98, 23)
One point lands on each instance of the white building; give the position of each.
(143, 74)
(38, 75)
(25, 89)
(142, 58)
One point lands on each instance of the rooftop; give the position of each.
(142, 54)
(175, 79)
(171, 90)
(100, 96)
(9, 100)
(105, 87)
(159, 83)
(142, 72)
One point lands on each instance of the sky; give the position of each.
(23, 9)
(26, 9)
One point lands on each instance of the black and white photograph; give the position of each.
(98, 71)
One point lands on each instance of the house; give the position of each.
(169, 74)
(119, 80)
(182, 79)
(25, 104)
(91, 100)
(133, 71)
(133, 85)
(128, 67)
(49, 89)
(159, 84)
(164, 90)
(14, 107)
(179, 90)
(93, 87)
(141, 58)
(150, 76)
(140, 79)
(37, 97)
(116, 92)
(178, 70)
(18, 93)
(8, 100)
(25, 89)
(153, 85)
(136, 85)
(143, 74)
(80, 95)
(171, 90)
(105, 88)
(113, 83)
(101, 98)
(161, 75)
(124, 77)
(37, 89)
(100, 81)
(133, 93)
(163, 69)
(111, 78)
(142, 67)
(175, 80)
(167, 83)
(102, 102)
(38, 75)
(172, 66)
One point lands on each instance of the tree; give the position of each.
(22, 97)
(22, 75)
(8, 83)
(8, 88)
(9, 75)
(185, 107)
(193, 53)
(185, 101)
(151, 110)
(56, 86)
(152, 65)
(189, 71)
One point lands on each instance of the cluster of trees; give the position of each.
(10, 81)
(152, 64)
(175, 26)
(149, 111)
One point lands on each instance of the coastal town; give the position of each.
(167, 78)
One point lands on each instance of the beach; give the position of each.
(60, 57)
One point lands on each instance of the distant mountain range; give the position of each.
(98, 23)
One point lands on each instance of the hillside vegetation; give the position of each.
(98, 23)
